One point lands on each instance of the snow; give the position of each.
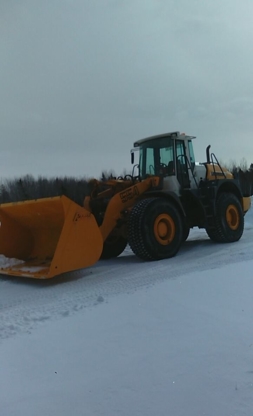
(125, 337)
(6, 262)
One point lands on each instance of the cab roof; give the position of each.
(174, 135)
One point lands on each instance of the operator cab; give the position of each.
(168, 155)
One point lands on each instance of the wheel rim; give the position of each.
(164, 229)
(232, 217)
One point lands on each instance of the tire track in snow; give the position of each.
(25, 304)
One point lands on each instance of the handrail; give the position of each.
(138, 167)
(217, 162)
(188, 164)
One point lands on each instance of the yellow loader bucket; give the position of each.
(47, 237)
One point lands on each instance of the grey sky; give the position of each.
(82, 80)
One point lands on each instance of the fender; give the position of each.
(169, 195)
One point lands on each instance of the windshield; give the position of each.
(157, 157)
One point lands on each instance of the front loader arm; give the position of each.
(124, 200)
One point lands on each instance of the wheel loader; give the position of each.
(152, 210)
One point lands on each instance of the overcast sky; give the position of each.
(81, 80)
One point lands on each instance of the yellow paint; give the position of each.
(246, 203)
(51, 236)
(164, 229)
(213, 172)
(232, 217)
(122, 201)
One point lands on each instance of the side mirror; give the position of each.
(132, 158)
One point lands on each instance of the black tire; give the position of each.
(228, 221)
(213, 234)
(114, 245)
(186, 232)
(155, 229)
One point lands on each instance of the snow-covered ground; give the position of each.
(129, 338)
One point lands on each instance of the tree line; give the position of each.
(246, 180)
(28, 187)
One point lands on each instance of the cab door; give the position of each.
(181, 164)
